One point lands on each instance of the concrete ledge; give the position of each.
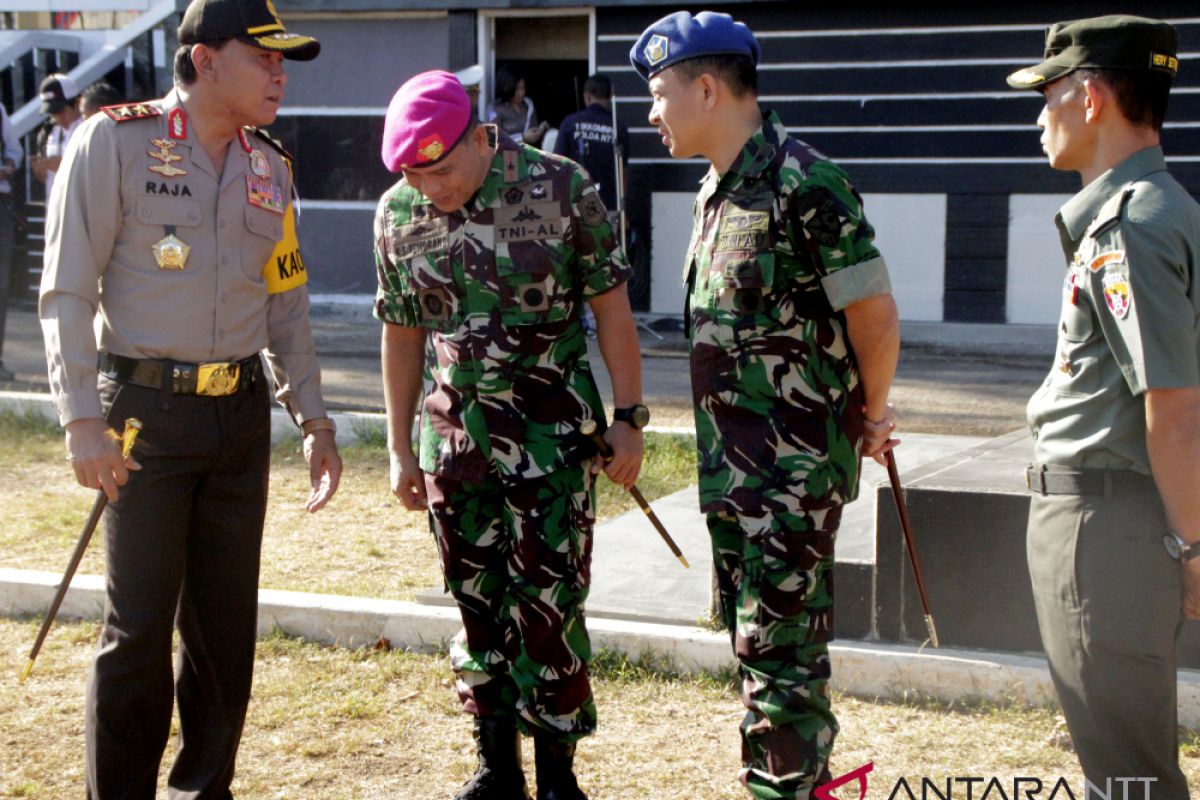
(872, 671)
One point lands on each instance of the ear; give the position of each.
(708, 85)
(202, 59)
(1097, 95)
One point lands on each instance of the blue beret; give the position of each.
(680, 36)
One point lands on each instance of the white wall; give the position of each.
(1035, 259)
(910, 231)
(671, 220)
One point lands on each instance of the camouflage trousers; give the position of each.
(776, 589)
(517, 558)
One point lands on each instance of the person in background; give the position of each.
(513, 111)
(96, 97)
(471, 77)
(11, 154)
(58, 94)
(587, 137)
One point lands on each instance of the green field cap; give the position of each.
(1117, 41)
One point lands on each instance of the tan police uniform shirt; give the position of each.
(125, 186)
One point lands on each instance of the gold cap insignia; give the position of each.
(656, 49)
(1026, 77)
(1164, 62)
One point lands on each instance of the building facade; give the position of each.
(910, 98)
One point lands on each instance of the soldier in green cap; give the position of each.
(1115, 516)
(794, 339)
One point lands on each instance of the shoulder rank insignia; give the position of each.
(276, 145)
(128, 111)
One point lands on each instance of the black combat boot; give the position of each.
(499, 776)
(555, 778)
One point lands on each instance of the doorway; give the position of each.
(553, 52)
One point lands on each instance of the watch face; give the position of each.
(1172, 546)
(640, 416)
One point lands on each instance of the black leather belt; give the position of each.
(212, 379)
(1043, 479)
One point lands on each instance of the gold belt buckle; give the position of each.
(218, 380)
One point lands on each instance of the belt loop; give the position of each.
(166, 382)
(1108, 484)
(1041, 479)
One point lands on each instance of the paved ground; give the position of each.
(960, 379)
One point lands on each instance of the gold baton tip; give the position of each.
(133, 426)
(683, 561)
(25, 673)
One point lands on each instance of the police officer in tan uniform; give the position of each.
(1114, 524)
(171, 225)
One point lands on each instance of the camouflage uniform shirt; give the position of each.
(499, 285)
(779, 247)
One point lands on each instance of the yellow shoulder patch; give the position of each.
(284, 270)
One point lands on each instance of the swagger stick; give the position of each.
(132, 426)
(910, 545)
(589, 429)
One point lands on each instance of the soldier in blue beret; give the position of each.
(1114, 521)
(794, 341)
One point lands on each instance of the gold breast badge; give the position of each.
(164, 154)
(170, 252)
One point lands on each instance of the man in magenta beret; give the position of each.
(487, 251)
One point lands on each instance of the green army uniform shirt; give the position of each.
(779, 247)
(1130, 314)
(500, 285)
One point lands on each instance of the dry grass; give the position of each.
(333, 724)
(363, 544)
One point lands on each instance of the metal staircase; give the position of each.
(130, 43)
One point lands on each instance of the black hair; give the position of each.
(735, 71)
(507, 79)
(185, 70)
(598, 86)
(1141, 94)
(100, 94)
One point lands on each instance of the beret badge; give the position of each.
(656, 49)
(431, 148)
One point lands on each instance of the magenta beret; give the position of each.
(425, 120)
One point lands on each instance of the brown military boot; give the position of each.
(499, 776)
(555, 778)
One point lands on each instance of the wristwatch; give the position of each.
(318, 424)
(636, 417)
(1178, 549)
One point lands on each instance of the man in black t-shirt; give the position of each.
(586, 137)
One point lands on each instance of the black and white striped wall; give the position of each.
(911, 100)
